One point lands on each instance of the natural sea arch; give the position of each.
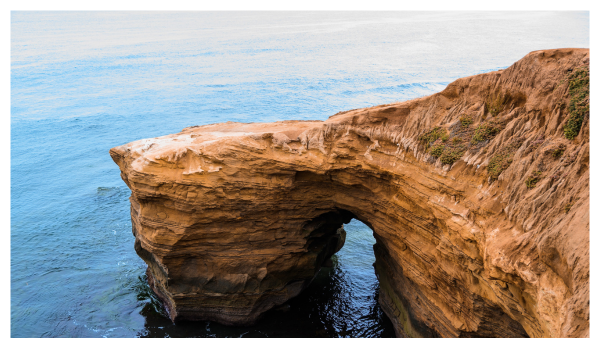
(257, 253)
(234, 219)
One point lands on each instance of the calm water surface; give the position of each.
(82, 83)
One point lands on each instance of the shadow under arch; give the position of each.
(341, 301)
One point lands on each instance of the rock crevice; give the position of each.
(477, 200)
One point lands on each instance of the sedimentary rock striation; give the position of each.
(478, 197)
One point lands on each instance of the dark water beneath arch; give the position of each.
(340, 302)
(82, 83)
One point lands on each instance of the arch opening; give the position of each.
(355, 306)
(342, 298)
(397, 297)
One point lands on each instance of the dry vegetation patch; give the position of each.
(579, 103)
(533, 179)
(503, 158)
(500, 101)
(433, 135)
(450, 146)
(557, 152)
(486, 131)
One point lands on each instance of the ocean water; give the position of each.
(83, 82)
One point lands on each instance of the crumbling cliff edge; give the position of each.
(478, 197)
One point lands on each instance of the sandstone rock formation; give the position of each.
(478, 201)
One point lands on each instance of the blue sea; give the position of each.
(83, 82)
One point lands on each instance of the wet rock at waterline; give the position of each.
(478, 197)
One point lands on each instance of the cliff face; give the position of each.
(478, 197)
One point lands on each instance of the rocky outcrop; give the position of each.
(478, 197)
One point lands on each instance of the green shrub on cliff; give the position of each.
(466, 120)
(498, 163)
(499, 101)
(484, 132)
(558, 151)
(433, 135)
(532, 180)
(502, 159)
(437, 150)
(579, 104)
(452, 153)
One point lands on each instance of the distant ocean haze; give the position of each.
(83, 82)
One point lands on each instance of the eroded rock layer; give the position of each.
(478, 197)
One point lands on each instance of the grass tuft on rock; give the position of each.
(431, 136)
(485, 131)
(452, 153)
(502, 159)
(466, 120)
(450, 146)
(499, 101)
(437, 150)
(568, 207)
(532, 180)
(558, 151)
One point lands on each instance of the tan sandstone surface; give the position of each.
(482, 225)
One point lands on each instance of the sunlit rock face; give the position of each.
(482, 225)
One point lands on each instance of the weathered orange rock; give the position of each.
(236, 218)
